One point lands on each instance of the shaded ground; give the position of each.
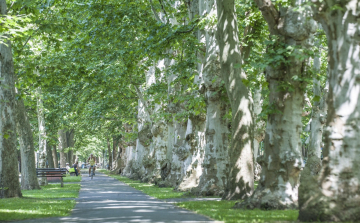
(105, 199)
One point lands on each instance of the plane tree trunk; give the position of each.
(336, 194)
(240, 181)
(62, 147)
(70, 144)
(282, 160)
(54, 155)
(109, 153)
(49, 156)
(313, 165)
(215, 164)
(9, 175)
(42, 134)
(28, 169)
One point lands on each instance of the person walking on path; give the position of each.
(91, 160)
(75, 166)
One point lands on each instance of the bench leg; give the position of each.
(62, 184)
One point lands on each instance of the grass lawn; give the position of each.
(150, 189)
(54, 191)
(40, 203)
(218, 210)
(69, 178)
(222, 211)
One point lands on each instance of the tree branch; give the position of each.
(163, 9)
(154, 11)
(270, 13)
(12, 4)
(21, 9)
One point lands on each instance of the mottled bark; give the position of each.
(109, 153)
(62, 147)
(42, 131)
(114, 152)
(128, 159)
(192, 156)
(159, 132)
(259, 133)
(176, 135)
(240, 183)
(9, 175)
(49, 156)
(336, 195)
(313, 165)
(41, 121)
(69, 156)
(28, 169)
(55, 157)
(70, 144)
(215, 164)
(282, 160)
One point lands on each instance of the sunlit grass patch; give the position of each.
(54, 191)
(222, 211)
(40, 203)
(69, 178)
(26, 208)
(149, 189)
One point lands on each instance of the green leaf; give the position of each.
(316, 98)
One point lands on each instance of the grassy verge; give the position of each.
(69, 178)
(54, 191)
(40, 203)
(218, 210)
(150, 189)
(222, 211)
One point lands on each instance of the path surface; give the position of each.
(105, 199)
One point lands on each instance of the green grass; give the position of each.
(218, 210)
(150, 189)
(69, 178)
(222, 211)
(54, 191)
(40, 203)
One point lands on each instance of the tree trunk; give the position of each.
(313, 165)
(109, 153)
(259, 133)
(70, 144)
(42, 134)
(240, 182)
(62, 147)
(215, 164)
(282, 159)
(29, 179)
(336, 194)
(69, 157)
(114, 154)
(49, 156)
(9, 175)
(55, 158)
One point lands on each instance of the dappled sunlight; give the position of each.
(223, 210)
(105, 199)
(2, 211)
(144, 210)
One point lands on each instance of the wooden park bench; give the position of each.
(52, 172)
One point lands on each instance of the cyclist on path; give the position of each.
(91, 160)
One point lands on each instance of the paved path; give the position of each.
(105, 199)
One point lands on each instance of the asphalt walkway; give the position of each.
(105, 199)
